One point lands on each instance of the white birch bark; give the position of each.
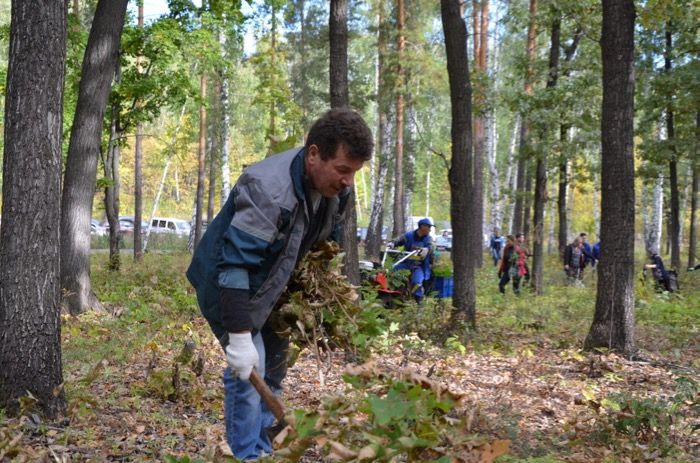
(225, 132)
(511, 170)
(654, 224)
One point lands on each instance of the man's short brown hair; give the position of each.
(341, 126)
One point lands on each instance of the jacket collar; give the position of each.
(297, 173)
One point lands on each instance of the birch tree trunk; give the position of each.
(376, 218)
(399, 217)
(511, 177)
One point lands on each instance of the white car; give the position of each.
(169, 225)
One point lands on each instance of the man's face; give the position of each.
(423, 230)
(521, 239)
(331, 176)
(583, 239)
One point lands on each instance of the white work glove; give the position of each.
(241, 354)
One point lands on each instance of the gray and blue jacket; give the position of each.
(249, 251)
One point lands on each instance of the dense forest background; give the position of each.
(274, 90)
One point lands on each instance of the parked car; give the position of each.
(362, 233)
(126, 225)
(170, 225)
(96, 227)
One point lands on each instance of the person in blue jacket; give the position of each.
(420, 243)
(274, 214)
(495, 245)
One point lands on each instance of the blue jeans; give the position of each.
(245, 415)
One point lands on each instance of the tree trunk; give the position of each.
(338, 70)
(480, 27)
(225, 132)
(511, 178)
(211, 191)
(30, 325)
(674, 221)
(461, 170)
(111, 199)
(541, 169)
(692, 240)
(520, 211)
(527, 202)
(138, 168)
(376, 218)
(652, 233)
(562, 209)
(198, 229)
(410, 155)
(517, 222)
(552, 213)
(99, 64)
(338, 36)
(613, 322)
(399, 218)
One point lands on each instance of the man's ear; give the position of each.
(313, 154)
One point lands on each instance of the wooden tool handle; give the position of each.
(271, 400)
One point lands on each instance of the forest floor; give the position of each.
(525, 384)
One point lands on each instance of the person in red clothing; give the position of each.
(510, 266)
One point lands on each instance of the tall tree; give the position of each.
(519, 215)
(399, 218)
(138, 162)
(613, 321)
(382, 155)
(461, 171)
(563, 180)
(541, 169)
(30, 329)
(480, 16)
(692, 239)
(338, 70)
(99, 64)
(201, 156)
(674, 222)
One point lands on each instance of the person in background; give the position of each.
(663, 278)
(510, 267)
(574, 261)
(495, 245)
(587, 251)
(276, 212)
(523, 254)
(420, 243)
